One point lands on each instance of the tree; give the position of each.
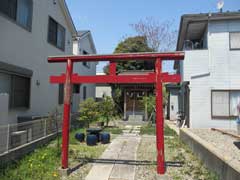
(160, 36)
(107, 109)
(132, 45)
(89, 111)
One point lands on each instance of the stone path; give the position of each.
(116, 163)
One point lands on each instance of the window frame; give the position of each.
(55, 44)
(229, 100)
(61, 94)
(230, 48)
(76, 88)
(84, 93)
(86, 63)
(12, 102)
(14, 20)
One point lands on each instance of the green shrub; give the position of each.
(89, 111)
(107, 109)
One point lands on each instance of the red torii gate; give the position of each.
(156, 78)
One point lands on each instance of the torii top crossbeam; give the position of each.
(119, 57)
(156, 77)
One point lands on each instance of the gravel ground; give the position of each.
(187, 166)
(224, 143)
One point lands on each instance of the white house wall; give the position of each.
(78, 47)
(30, 50)
(213, 69)
(174, 104)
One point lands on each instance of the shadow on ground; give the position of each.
(129, 162)
(84, 161)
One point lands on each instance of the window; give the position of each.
(224, 103)
(19, 11)
(76, 88)
(20, 92)
(18, 88)
(86, 63)
(234, 101)
(56, 34)
(84, 93)
(234, 39)
(60, 93)
(220, 103)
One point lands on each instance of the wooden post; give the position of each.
(159, 118)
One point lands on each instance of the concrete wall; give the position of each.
(101, 90)
(30, 50)
(213, 69)
(210, 156)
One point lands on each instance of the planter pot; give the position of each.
(91, 140)
(105, 138)
(80, 137)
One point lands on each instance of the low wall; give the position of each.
(210, 157)
(19, 152)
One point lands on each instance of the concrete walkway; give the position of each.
(115, 162)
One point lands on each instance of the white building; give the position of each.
(102, 89)
(83, 44)
(210, 71)
(32, 30)
(173, 102)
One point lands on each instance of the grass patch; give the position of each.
(150, 129)
(113, 130)
(168, 131)
(43, 163)
(175, 151)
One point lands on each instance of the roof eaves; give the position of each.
(68, 17)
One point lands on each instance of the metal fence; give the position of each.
(15, 135)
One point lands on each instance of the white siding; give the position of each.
(220, 70)
(30, 50)
(78, 47)
(173, 104)
(195, 63)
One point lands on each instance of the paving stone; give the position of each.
(118, 158)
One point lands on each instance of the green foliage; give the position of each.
(89, 111)
(151, 130)
(117, 94)
(132, 45)
(169, 132)
(44, 162)
(148, 129)
(149, 102)
(107, 109)
(165, 95)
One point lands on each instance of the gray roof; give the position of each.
(82, 32)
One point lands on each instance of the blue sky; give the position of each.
(109, 20)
